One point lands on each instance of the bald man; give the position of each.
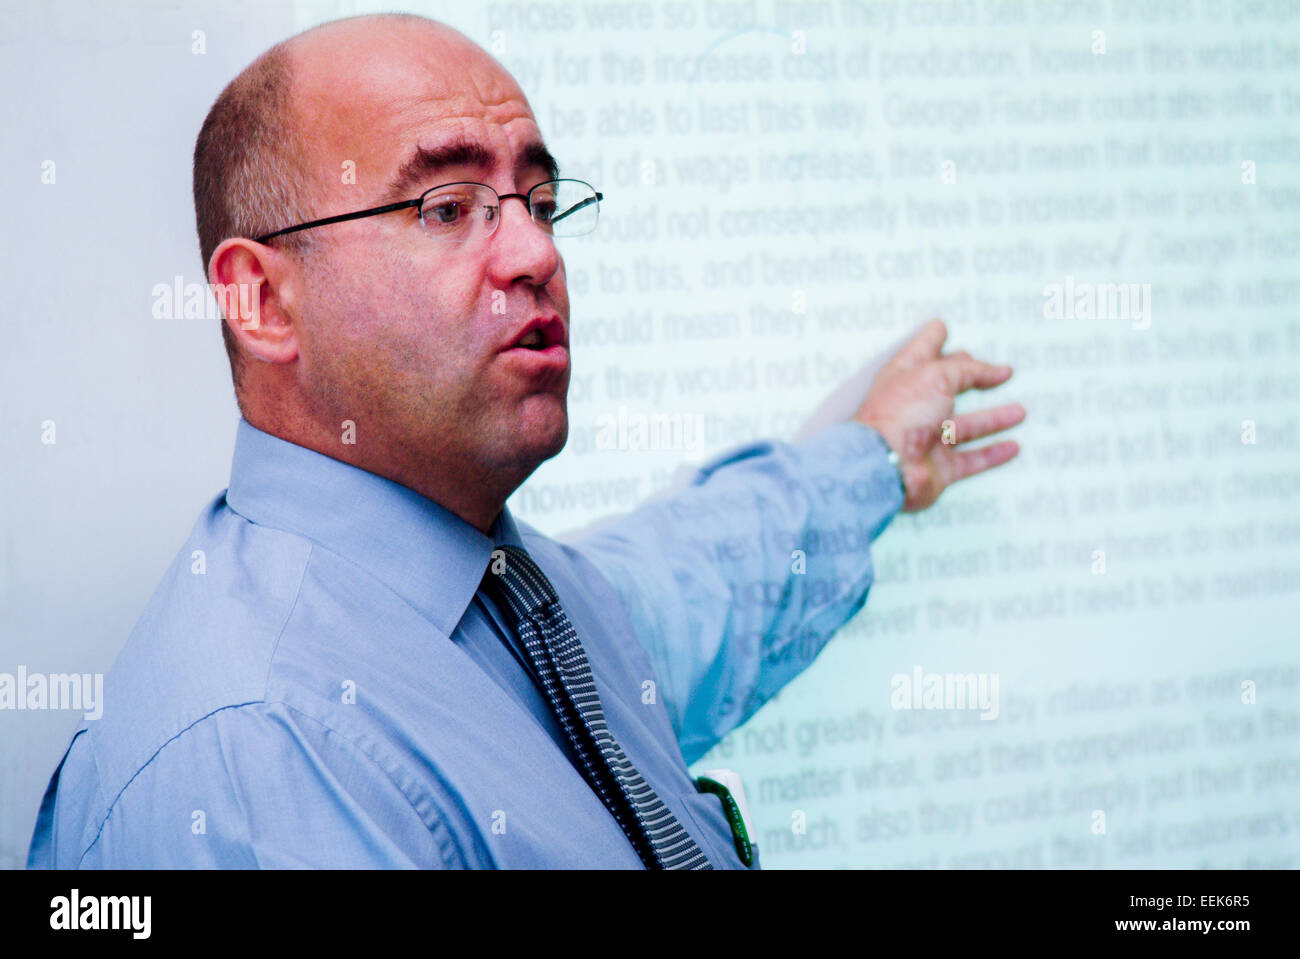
(359, 658)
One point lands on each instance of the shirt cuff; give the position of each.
(869, 466)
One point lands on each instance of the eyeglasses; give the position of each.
(460, 212)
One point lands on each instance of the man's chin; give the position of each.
(544, 433)
(558, 438)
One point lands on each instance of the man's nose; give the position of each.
(521, 249)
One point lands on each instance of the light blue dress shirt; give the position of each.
(317, 681)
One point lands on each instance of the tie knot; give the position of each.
(513, 579)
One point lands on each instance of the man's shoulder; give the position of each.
(90, 784)
(260, 784)
(206, 640)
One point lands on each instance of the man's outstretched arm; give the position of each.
(735, 583)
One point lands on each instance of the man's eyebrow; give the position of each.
(427, 161)
(535, 154)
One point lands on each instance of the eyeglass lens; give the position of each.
(460, 212)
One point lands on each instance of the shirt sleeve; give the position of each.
(260, 785)
(734, 583)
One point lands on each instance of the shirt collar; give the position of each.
(428, 555)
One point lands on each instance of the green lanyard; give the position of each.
(744, 848)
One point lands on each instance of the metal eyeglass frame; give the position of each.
(419, 202)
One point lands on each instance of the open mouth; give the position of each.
(540, 348)
(541, 334)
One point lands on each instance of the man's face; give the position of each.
(406, 335)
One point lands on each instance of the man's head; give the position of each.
(371, 320)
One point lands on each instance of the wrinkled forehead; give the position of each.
(371, 97)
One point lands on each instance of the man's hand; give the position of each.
(912, 397)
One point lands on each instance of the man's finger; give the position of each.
(974, 426)
(964, 371)
(927, 343)
(970, 462)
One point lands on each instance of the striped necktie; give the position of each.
(526, 597)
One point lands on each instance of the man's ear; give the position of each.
(257, 288)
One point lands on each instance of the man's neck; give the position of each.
(463, 489)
